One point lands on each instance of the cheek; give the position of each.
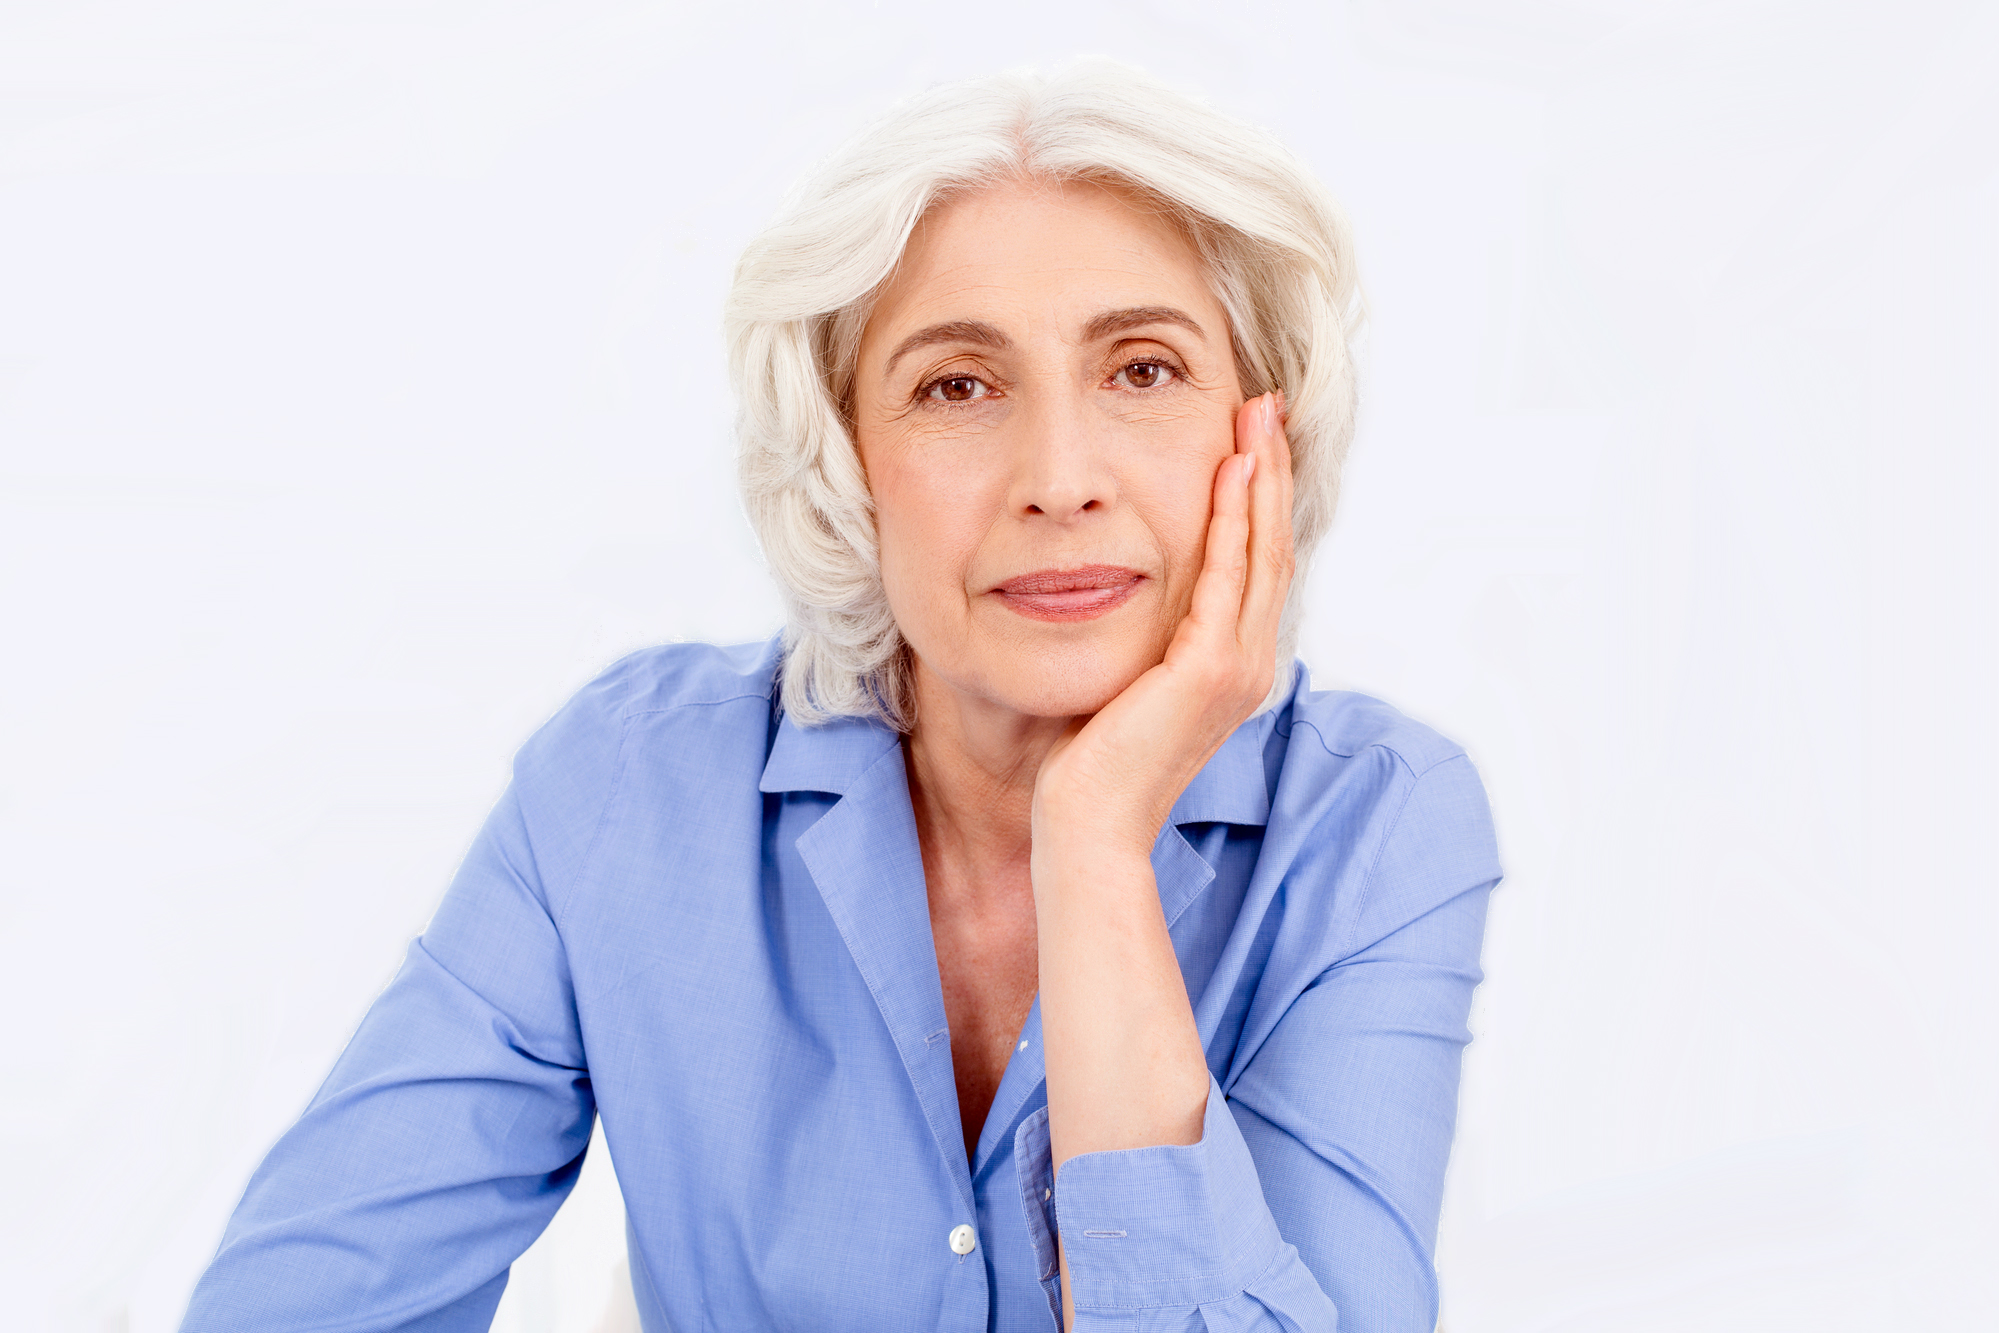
(1193, 506)
(927, 541)
(1176, 497)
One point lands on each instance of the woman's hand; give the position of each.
(1115, 777)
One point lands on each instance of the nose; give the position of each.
(1059, 467)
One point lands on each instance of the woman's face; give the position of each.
(1044, 393)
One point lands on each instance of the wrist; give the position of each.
(1093, 829)
(1086, 859)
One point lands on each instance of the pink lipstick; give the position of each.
(1070, 594)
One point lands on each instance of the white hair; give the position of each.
(1277, 252)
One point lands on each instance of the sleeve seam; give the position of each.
(628, 716)
(1374, 863)
(1381, 848)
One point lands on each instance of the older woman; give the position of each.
(1017, 942)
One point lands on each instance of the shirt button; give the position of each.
(963, 1240)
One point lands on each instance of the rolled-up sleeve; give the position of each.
(1310, 1202)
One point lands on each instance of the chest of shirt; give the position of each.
(768, 1048)
(756, 985)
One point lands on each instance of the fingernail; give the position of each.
(1248, 468)
(1269, 410)
(1280, 402)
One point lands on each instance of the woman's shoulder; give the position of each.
(1343, 726)
(676, 722)
(698, 687)
(679, 675)
(1381, 795)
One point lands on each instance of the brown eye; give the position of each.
(959, 389)
(1144, 375)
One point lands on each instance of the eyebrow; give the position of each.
(1122, 321)
(957, 331)
(982, 334)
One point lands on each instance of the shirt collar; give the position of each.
(1231, 788)
(829, 757)
(832, 756)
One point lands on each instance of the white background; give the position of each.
(361, 395)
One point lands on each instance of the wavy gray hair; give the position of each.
(1277, 251)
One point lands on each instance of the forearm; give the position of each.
(1124, 1060)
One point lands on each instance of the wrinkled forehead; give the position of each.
(1044, 259)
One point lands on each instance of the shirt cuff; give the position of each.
(1171, 1225)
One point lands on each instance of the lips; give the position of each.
(1069, 594)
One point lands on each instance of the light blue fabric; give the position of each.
(709, 926)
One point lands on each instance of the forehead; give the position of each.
(1043, 257)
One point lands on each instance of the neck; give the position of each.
(972, 767)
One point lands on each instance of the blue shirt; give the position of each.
(708, 925)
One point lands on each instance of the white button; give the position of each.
(1046, 1195)
(963, 1240)
(1023, 1046)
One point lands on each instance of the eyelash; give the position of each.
(1170, 367)
(928, 391)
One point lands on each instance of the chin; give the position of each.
(1068, 680)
